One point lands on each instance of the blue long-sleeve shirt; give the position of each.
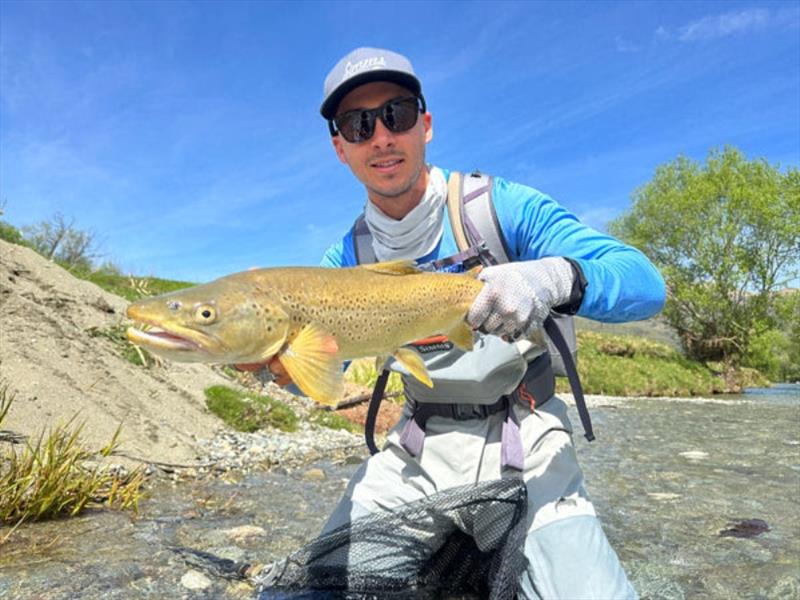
(622, 284)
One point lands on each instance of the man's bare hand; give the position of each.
(275, 367)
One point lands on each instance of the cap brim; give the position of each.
(331, 103)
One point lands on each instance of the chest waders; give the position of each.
(480, 242)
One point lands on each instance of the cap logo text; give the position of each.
(366, 64)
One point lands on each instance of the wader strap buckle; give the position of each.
(412, 438)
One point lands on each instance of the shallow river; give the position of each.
(668, 477)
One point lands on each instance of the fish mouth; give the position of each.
(161, 339)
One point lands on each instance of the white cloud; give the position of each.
(716, 26)
(728, 24)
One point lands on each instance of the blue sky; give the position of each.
(187, 135)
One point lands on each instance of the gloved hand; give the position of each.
(518, 296)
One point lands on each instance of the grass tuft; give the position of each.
(331, 420)
(248, 411)
(51, 478)
(130, 352)
(129, 287)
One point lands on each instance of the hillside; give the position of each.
(57, 369)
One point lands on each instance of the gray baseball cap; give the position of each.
(364, 65)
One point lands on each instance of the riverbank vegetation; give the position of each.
(726, 237)
(635, 366)
(55, 475)
(249, 411)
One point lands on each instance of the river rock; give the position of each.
(314, 475)
(663, 496)
(243, 533)
(694, 455)
(195, 580)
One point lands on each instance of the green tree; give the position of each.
(726, 236)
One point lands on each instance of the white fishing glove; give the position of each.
(518, 296)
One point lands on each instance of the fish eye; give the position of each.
(205, 314)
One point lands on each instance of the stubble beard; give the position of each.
(398, 192)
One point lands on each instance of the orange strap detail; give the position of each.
(430, 340)
(525, 395)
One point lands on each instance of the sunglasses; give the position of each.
(397, 115)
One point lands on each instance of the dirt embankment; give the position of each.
(57, 369)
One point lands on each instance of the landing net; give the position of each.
(465, 542)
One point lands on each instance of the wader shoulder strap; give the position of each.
(362, 242)
(472, 215)
(572, 374)
(372, 411)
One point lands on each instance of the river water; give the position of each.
(675, 482)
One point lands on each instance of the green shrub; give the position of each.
(769, 352)
(247, 411)
(11, 234)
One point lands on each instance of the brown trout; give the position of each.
(311, 319)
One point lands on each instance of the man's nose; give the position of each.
(382, 138)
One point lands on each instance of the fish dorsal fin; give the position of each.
(412, 361)
(312, 361)
(393, 267)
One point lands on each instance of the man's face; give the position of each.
(390, 165)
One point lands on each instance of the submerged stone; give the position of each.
(747, 528)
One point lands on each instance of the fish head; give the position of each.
(221, 322)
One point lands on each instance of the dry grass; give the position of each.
(55, 476)
(363, 372)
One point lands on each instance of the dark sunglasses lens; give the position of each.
(400, 115)
(359, 125)
(356, 126)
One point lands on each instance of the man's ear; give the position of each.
(427, 122)
(338, 146)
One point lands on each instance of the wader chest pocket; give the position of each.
(493, 369)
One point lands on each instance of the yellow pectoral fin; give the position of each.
(412, 361)
(462, 336)
(312, 361)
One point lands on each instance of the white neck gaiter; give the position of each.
(416, 234)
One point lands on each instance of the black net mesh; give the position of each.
(461, 543)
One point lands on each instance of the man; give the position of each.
(375, 109)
